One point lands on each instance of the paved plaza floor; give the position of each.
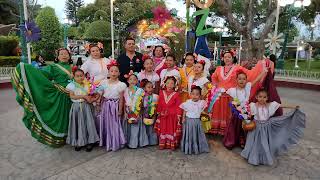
(23, 158)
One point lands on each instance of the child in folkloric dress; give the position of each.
(82, 130)
(193, 137)
(234, 135)
(150, 102)
(111, 133)
(171, 70)
(149, 73)
(133, 125)
(168, 124)
(223, 78)
(186, 72)
(272, 136)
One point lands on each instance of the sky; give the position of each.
(58, 5)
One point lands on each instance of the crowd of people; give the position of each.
(141, 100)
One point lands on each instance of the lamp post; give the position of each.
(283, 3)
(65, 32)
(220, 30)
(312, 29)
(112, 31)
(23, 18)
(299, 48)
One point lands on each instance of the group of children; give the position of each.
(168, 108)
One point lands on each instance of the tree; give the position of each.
(86, 13)
(50, 33)
(9, 11)
(98, 31)
(245, 18)
(72, 8)
(72, 33)
(255, 19)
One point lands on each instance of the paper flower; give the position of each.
(32, 32)
(174, 30)
(161, 15)
(274, 41)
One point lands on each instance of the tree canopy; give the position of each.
(50, 33)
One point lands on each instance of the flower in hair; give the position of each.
(74, 69)
(112, 63)
(203, 62)
(145, 57)
(129, 74)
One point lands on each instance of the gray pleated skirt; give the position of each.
(82, 129)
(136, 134)
(193, 137)
(273, 137)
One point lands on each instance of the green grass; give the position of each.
(303, 65)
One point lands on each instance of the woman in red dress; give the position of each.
(224, 78)
(168, 124)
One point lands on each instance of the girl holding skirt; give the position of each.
(110, 130)
(193, 137)
(82, 130)
(44, 98)
(272, 136)
(224, 78)
(235, 135)
(133, 126)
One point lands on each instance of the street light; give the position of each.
(65, 32)
(282, 3)
(300, 47)
(312, 29)
(112, 24)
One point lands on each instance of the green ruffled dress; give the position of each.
(45, 100)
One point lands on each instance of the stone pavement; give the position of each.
(22, 158)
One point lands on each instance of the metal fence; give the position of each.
(6, 72)
(298, 74)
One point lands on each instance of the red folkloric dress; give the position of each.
(168, 124)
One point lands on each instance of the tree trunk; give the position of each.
(252, 51)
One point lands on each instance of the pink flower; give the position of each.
(174, 30)
(160, 15)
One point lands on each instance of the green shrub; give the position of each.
(98, 31)
(51, 40)
(8, 45)
(9, 61)
(12, 61)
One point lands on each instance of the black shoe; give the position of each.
(89, 148)
(77, 148)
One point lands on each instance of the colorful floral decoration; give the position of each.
(135, 109)
(32, 32)
(243, 112)
(213, 96)
(161, 15)
(151, 106)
